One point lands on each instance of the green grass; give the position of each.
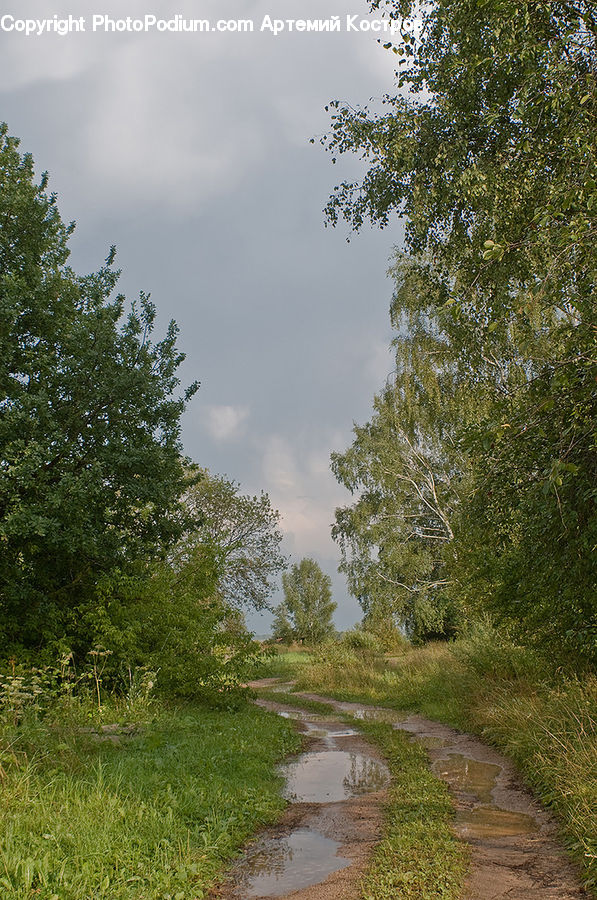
(156, 817)
(287, 662)
(419, 857)
(545, 720)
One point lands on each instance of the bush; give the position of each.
(488, 652)
(358, 639)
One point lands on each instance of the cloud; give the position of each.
(225, 423)
(301, 485)
(175, 122)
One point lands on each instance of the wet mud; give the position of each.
(515, 854)
(320, 848)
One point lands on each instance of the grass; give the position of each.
(155, 817)
(419, 857)
(546, 721)
(287, 661)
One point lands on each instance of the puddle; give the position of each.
(331, 776)
(490, 821)
(276, 867)
(469, 775)
(478, 778)
(299, 716)
(282, 687)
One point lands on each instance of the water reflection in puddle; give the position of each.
(465, 774)
(301, 716)
(490, 821)
(278, 866)
(479, 779)
(331, 776)
(283, 687)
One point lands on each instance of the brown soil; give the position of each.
(355, 824)
(515, 854)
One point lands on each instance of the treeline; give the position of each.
(475, 479)
(113, 546)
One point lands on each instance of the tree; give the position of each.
(307, 609)
(487, 149)
(170, 619)
(393, 537)
(90, 458)
(407, 473)
(243, 533)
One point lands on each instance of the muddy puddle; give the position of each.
(491, 821)
(468, 775)
(278, 866)
(328, 788)
(514, 850)
(331, 776)
(479, 780)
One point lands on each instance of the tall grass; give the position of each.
(287, 661)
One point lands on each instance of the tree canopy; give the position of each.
(89, 420)
(487, 148)
(243, 534)
(305, 614)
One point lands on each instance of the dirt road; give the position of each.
(320, 848)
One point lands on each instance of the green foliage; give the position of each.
(90, 467)
(487, 149)
(407, 472)
(390, 637)
(359, 639)
(305, 614)
(282, 663)
(244, 534)
(174, 621)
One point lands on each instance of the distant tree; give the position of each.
(307, 609)
(282, 629)
(90, 459)
(242, 532)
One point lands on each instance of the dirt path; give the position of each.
(515, 854)
(320, 848)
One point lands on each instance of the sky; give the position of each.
(191, 152)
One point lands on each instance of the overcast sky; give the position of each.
(191, 153)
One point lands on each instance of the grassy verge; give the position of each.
(287, 661)
(154, 816)
(419, 857)
(545, 721)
